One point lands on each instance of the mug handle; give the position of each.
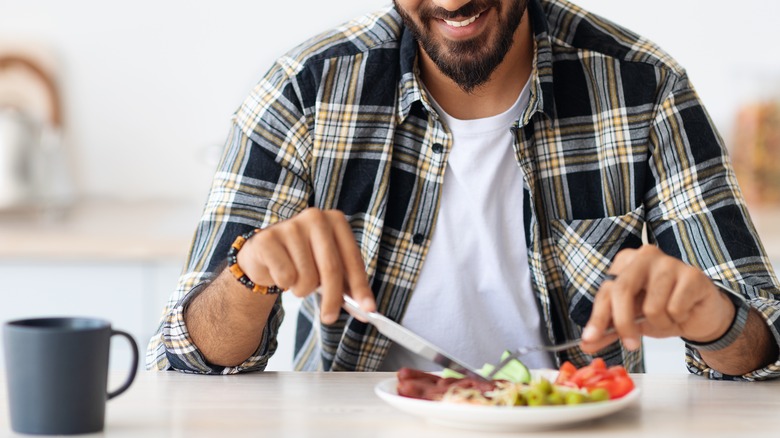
(133, 370)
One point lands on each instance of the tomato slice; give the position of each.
(598, 364)
(585, 374)
(615, 379)
(564, 373)
(617, 371)
(621, 386)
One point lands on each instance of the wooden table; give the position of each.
(289, 404)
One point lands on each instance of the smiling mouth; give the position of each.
(463, 23)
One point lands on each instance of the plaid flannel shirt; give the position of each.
(613, 141)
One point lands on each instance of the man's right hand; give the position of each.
(312, 251)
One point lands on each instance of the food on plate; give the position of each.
(593, 383)
(513, 371)
(614, 380)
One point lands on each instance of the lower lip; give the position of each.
(464, 32)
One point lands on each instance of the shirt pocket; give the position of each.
(585, 249)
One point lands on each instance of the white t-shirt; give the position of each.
(474, 296)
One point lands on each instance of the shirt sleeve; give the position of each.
(262, 178)
(696, 212)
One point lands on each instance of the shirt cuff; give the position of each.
(769, 310)
(183, 355)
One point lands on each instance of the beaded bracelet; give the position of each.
(232, 261)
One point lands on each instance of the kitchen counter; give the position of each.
(102, 230)
(343, 404)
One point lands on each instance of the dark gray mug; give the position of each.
(57, 371)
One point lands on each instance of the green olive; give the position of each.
(599, 394)
(575, 398)
(535, 397)
(555, 398)
(544, 386)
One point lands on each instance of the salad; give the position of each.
(514, 385)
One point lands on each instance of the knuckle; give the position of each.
(301, 293)
(645, 254)
(621, 255)
(676, 313)
(311, 213)
(306, 284)
(652, 311)
(624, 255)
(692, 274)
(290, 225)
(285, 277)
(603, 294)
(263, 238)
(337, 215)
(617, 290)
(665, 264)
(650, 250)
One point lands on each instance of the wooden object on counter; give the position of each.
(756, 152)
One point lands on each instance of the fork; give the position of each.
(522, 351)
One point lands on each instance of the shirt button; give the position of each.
(418, 239)
(437, 148)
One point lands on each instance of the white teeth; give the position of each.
(462, 23)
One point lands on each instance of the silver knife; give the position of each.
(411, 341)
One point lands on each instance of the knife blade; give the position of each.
(410, 340)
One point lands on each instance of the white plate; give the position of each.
(499, 418)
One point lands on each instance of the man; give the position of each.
(475, 169)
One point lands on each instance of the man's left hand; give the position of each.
(675, 299)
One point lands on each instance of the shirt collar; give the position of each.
(542, 97)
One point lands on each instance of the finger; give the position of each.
(627, 293)
(659, 288)
(300, 252)
(267, 263)
(622, 259)
(682, 300)
(600, 319)
(604, 341)
(329, 267)
(354, 267)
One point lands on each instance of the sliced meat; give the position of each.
(421, 385)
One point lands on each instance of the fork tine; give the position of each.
(513, 355)
(550, 348)
(500, 365)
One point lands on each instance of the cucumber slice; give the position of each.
(514, 371)
(448, 373)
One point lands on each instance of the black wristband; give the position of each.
(736, 327)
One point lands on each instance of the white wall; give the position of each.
(150, 85)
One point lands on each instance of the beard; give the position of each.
(469, 63)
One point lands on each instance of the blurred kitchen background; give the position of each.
(120, 111)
